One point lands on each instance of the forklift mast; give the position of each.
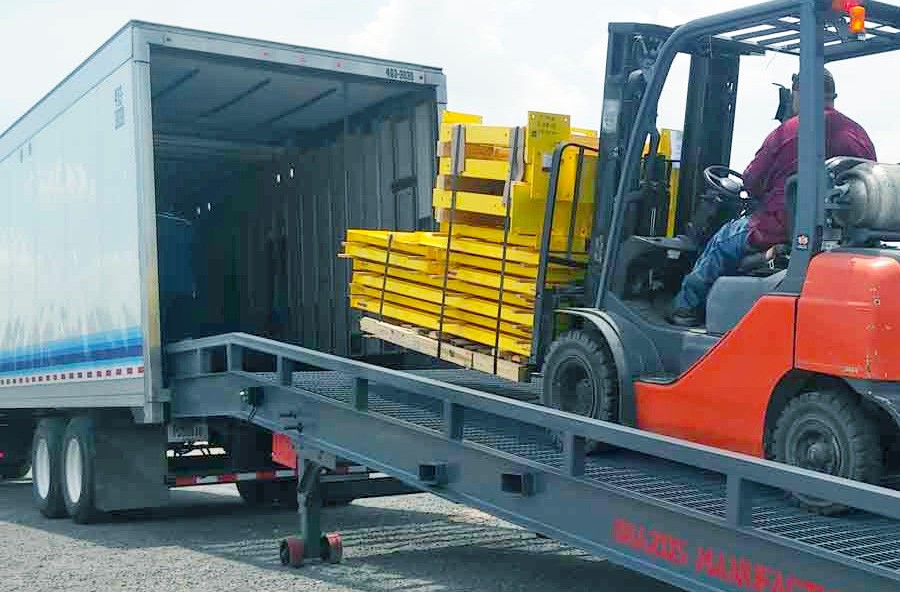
(707, 130)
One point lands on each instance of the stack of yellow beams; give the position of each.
(400, 277)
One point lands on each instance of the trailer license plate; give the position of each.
(183, 431)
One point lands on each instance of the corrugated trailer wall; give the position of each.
(377, 172)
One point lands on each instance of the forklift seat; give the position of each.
(732, 297)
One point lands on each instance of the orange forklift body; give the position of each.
(841, 325)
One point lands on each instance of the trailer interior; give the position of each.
(259, 168)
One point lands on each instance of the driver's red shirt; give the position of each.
(776, 161)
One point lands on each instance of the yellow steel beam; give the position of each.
(435, 309)
(509, 298)
(427, 294)
(479, 134)
(406, 242)
(379, 255)
(497, 170)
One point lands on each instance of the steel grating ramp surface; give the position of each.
(861, 536)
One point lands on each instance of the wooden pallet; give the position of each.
(459, 353)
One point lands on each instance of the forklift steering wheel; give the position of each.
(722, 179)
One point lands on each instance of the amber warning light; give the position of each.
(856, 11)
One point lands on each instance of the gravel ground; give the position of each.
(206, 539)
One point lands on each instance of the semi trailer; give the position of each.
(182, 184)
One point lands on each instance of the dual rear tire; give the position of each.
(62, 468)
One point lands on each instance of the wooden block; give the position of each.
(479, 151)
(470, 185)
(444, 215)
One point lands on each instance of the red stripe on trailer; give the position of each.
(188, 481)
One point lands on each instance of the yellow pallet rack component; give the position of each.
(526, 214)
(432, 308)
(509, 298)
(519, 316)
(406, 242)
(479, 134)
(469, 246)
(555, 273)
(492, 280)
(544, 132)
(495, 235)
(451, 117)
(496, 170)
(379, 255)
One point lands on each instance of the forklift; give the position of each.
(799, 359)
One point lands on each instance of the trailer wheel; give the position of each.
(830, 433)
(15, 471)
(291, 552)
(580, 377)
(46, 457)
(78, 470)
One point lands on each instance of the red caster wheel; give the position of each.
(332, 548)
(291, 552)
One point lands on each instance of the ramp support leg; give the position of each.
(312, 542)
(309, 498)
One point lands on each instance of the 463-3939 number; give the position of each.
(400, 74)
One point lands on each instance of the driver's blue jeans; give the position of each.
(722, 255)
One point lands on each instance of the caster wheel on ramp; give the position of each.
(332, 548)
(291, 552)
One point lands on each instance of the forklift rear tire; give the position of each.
(580, 377)
(830, 433)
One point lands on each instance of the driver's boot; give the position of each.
(686, 317)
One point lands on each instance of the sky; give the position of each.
(502, 58)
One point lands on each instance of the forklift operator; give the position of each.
(765, 178)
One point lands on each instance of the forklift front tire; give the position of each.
(580, 377)
(830, 433)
